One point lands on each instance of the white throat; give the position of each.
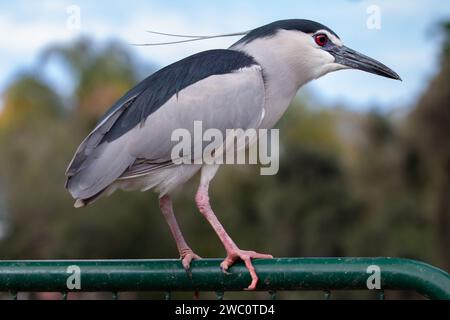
(282, 58)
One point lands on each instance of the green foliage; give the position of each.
(28, 99)
(430, 131)
(101, 74)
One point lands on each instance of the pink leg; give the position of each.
(186, 254)
(233, 252)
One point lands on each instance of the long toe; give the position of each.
(247, 257)
(187, 257)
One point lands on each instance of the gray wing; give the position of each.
(225, 101)
(231, 101)
(104, 126)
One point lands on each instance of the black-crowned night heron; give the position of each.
(249, 85)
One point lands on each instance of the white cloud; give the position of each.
(27, 38)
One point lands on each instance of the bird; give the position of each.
(249, 85)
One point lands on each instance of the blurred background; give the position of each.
(365, 161)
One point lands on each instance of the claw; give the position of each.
(247, 257)
(224, 269)
(186, 257)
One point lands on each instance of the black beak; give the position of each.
(356, 60)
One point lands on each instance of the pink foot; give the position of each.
(186, 257)
(246, 256)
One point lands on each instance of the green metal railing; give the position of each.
(325, 274)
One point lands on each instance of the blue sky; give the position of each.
(408, 40)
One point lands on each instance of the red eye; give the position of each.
(321, 39)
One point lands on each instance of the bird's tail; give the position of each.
(98, 171)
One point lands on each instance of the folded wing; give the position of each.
(222, 88)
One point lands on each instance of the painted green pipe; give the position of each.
(275, 274)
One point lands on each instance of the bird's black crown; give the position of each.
(306, 26)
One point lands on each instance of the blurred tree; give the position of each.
(393, 221)
(101, 74)
(27, 100)
(37, 141)
(431, 130)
